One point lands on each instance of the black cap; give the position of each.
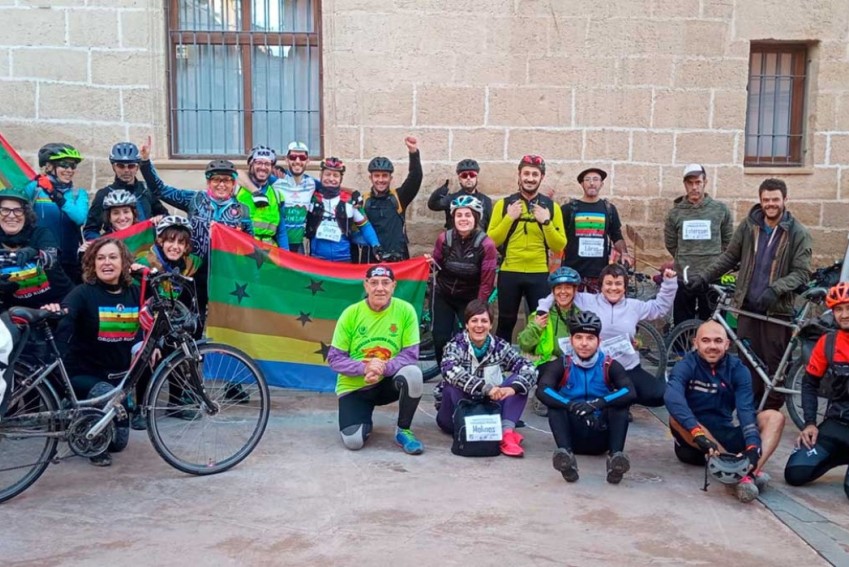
(380, 270)
(600, 171)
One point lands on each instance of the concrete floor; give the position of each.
(301, 499)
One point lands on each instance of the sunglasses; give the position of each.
(468, 175)
(536, 160)
(127, 165)
(6, 212)
(297, 157)
(66, 164)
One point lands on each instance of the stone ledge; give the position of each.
(805, 170)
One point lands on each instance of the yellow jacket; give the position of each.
(527, 249)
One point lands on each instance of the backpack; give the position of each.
(539, 199)
(465, 414)
(449, 238)
(393, 196)
(605, 371)
(833, 383)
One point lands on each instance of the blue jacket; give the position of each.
(64, 223)
(584, 384)
(697, 392)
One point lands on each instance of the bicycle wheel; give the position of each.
(184, 434)
(794, 401)
(680, 342)
(651, 348)
(24, 453)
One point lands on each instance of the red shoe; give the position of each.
(519, 437)
(510, 444)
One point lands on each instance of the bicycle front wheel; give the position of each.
(652, 349)
(680, 342)
(189, 436)
(25, 446)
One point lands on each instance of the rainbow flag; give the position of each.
(281, 307)
(14, 171)
(138, 238)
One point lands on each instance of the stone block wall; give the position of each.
(638, 87)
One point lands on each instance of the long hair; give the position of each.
(89, 273)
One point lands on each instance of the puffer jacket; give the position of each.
(462, 369)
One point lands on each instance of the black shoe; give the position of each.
(102, 460)
(138, 422)
(565, 462)
(617, 465)
(235, 393)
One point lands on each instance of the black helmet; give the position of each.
(57, 151)
(468, 165)
(584, 322)
(124, 152)
(380, 163)
(220, 166)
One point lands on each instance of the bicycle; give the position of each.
(681, 342)
(221, 387)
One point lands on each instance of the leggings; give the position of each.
(573, 434)
(831, 451)
(512, 288)
(357, 407)
(446, 312)
(650, 389)
(511, 408)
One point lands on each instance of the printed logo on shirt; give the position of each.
(118, 323)
(31, 280)
(380, 352)
(393, 329)
(590, 224)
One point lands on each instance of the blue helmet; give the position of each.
(564, 275)
(124, 152)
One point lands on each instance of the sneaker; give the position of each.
(102, 460)
(510, 444)
(617, 465)
(138, 422)
(761, 480)
(408, 442)
(235, 393)
(565, 462)
(746, 490)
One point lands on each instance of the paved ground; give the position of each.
(301, 499)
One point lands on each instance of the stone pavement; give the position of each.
(301, 499)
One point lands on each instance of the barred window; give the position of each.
(775, 115)
(243, 73)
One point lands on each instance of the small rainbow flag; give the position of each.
(281, 308)
(14, 171)
(138, 238)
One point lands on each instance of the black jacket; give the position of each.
(441, 199)
(146, 205)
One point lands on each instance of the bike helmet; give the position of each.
(118, 198)
(837, 295)
(585, 322)
(333, 164)
(533, 161)
(467, 202)
(262, 152)
(728, 468)
(468, 165)
(174, 221)
(217, 166)
(298, 147)
(124, 152)
(380, 163)
(564, 275)
(57, 152)
(15, 194)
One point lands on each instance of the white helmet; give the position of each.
(119, 198)
(298, 147)
(173, 221)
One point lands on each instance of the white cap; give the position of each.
(694, 169)
(299, 147)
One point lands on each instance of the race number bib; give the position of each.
(615, 347)
(483, 427)
(492, 375)
(696, 230)
(329, 230)
(565, 344)
(589, 247)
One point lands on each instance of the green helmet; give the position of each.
(15, 194)
(57, 152)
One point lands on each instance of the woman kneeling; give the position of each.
(478, 364)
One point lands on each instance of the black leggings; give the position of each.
(357, 407)
(831, 451)
(512, 287)
(571, 432)
(447, 311)
(649, 388)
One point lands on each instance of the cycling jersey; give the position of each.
(202, 209)
(42, 280)
(548, 342)
(296, 198)
(267, 218)
(335, 216)
(818, 365)
(527, 248)
(65, 221)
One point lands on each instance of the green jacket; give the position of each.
(543, 342)
(790, 268)
(696, 235)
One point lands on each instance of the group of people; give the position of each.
(576, 351)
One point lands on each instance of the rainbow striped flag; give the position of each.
(138, 238)
(281, 307)
(14, 171)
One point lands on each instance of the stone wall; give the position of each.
(638, 87)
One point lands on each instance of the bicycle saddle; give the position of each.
(32, 316)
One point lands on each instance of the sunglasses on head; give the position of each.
(66, 164)
(468, 175)
(297, 157)
(530, 158)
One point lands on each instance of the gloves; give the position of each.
(25, 255)
(59, 198)
(753, 453)
(582, 409)
(704, 444)
(767, 299)
(377, 251)
(45, 183)
(697, 284)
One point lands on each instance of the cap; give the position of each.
(601, 172)
(379, 271)
(694, 169)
